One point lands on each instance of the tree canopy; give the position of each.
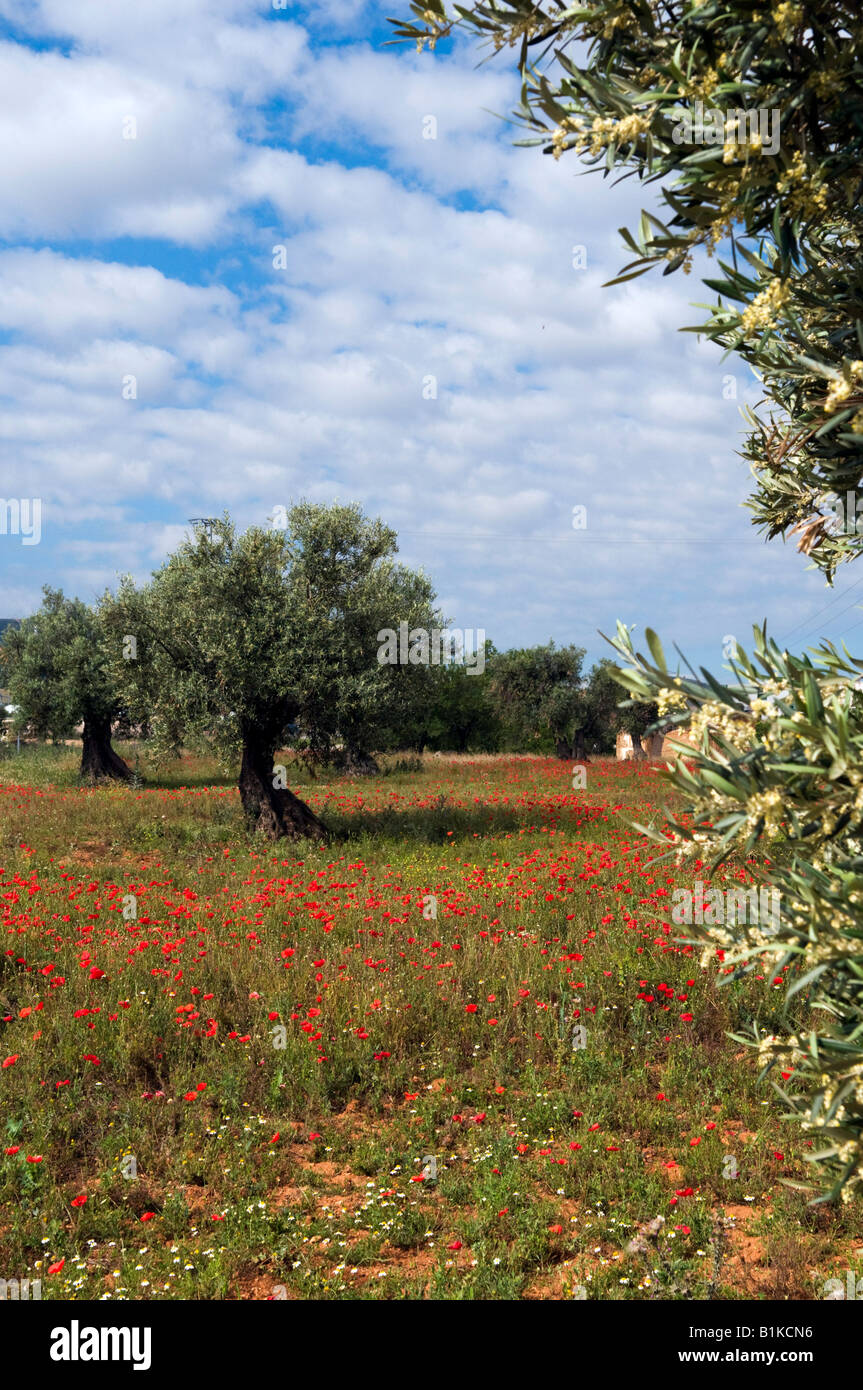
(346, 587)
(535, 690)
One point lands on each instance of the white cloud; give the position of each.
(309, 381)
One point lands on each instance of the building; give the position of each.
(659, 745)
(650, 747)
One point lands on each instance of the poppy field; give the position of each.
(460, 1051)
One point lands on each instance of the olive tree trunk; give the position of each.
(271, 809)
(356, 763)
(637, 751)
(98, 758)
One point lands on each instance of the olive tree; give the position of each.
(56, 667)
(209, 647)
(539, 691)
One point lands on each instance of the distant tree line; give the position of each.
(527, 700)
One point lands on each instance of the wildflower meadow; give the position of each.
(461, 1051)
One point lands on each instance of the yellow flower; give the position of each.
(765, 307)
(768, 804)
(787, 17)
(670, 699)
(843, 386)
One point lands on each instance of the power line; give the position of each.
(847, 630)
(819, 611)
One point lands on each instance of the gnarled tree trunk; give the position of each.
(638, 752)
(273, 810)
(356, 763)
(98, 758)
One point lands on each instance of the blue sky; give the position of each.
(155, 160)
